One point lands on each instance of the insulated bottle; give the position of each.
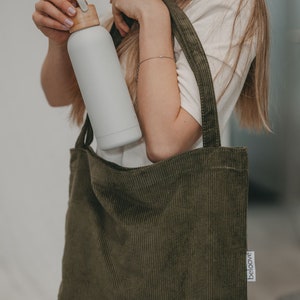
(101, 81)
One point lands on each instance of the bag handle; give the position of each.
(189, 41)
(192, 48)
(86, 135)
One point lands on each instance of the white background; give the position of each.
(34, 157)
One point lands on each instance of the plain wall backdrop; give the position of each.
(34, 154)
(34, 157)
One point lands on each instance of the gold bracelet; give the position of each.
(150, 58)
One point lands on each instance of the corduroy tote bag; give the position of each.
(172, 230)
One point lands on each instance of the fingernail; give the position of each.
(65, 28)
(69, 23)
(71, 11)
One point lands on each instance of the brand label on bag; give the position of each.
(251, 270)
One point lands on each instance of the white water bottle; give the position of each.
(101, 82)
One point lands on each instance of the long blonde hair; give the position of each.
(252, 106)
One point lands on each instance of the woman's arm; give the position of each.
(53, 18)
(57, 76)
(167, 128)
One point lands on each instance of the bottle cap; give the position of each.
(83, 5)
(85, 19)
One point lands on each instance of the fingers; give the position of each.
(119, 21)
(120, 24)
(55, 14)
(63, 5)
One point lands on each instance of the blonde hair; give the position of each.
(252, 106)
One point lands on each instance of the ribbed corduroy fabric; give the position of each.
(173, 230)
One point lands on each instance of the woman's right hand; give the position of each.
(53, 18)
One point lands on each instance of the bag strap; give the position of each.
(86, 135)
(192, 48)
(189, 41)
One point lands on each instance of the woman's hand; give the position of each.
(52, 18)
(134, 9)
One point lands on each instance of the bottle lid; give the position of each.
(85, 19)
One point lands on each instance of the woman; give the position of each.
(234, 34)
(175, 229)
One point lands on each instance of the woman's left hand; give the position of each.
(134, 9)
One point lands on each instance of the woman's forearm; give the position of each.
(57, 76)
(167, 128)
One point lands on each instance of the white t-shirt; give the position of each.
(213, 22)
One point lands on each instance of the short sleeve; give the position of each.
(213, 21)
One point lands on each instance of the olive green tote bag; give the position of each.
(172, 230)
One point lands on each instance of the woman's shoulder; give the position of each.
(210, 10)
(214, 20)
